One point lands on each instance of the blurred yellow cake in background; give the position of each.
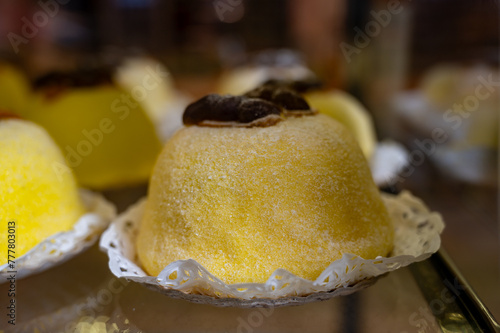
(153, 86)
(38, 191)
(350, 112)
(151, 80)
(265, 65)
(105, 135)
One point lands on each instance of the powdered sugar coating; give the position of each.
(243, 202)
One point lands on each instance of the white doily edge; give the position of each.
(85, 233)
(111, 244)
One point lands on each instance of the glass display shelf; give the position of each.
(82, 295)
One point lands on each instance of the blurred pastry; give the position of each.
(151, 84)
(14, 89)
(350, 112)
(260, 182)
(439, 84)
(38, 191)
(457, 107)
(282, 64)
(105, 135)
(464, 96)
(149, 80)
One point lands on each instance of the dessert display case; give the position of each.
(415, 83)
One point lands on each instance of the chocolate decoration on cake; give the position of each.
(262, 106)
(8, 115)
(54, 83)
(226, 110)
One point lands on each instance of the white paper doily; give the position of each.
(388, 160)
(417, 236)
(60, 247)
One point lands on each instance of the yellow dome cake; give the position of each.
(260, 182)
(105, 135)
(38, 192)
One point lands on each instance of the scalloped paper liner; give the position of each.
(417, 236)
(62, 246)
